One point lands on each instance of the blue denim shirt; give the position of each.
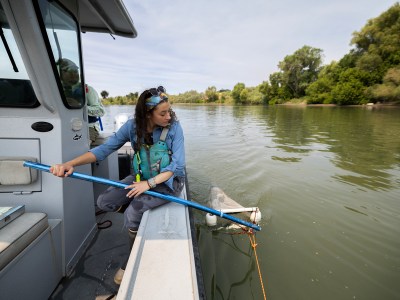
(127, 132)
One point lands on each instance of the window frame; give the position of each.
(45, 36)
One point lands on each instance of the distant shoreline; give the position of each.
(390, 104)
(295, 104)
(333, 105)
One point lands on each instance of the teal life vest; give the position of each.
(149, 160)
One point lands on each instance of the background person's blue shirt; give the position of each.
(127, 133)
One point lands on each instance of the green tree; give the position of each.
(104, 94)
(301, 69)
(389, 90)
(350, 88)
(320, 91)
(133, 95)
(369, 62)
(211, 94)
(187, 97)
(265, 90)
(349, 60)
(237, 89)
(279, 92)
(132, 98)
(254, 95)
(359, 76)
(225, 96)
(381, 36)
(244, 95)
(119, 100)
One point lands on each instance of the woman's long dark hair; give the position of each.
(141, 117)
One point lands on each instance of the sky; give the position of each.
(192, 45)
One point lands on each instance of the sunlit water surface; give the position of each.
(327, 181)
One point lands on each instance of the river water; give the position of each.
(327, 181)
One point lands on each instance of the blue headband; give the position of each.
(155, 100)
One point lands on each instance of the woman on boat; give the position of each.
(159, 161)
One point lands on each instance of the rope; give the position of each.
(252, 236)
(253, 244)
(251, 233)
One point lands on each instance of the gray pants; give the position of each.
(113, 198)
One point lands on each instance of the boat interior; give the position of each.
(54, 242)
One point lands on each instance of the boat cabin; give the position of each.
(47, 223)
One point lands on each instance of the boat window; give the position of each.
(61, 32)
(15, 86)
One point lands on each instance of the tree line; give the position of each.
(369, 73)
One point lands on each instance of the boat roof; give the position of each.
(102, 16)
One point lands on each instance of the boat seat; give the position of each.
(19, 233)
(12, 171)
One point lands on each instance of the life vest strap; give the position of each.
(164, 134)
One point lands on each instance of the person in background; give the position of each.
(159, 162)
(70, 80)
(69, 75)
(95, 110)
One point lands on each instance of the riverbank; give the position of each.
(303, 103)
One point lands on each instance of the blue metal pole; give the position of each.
(121, 185)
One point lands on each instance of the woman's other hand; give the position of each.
(137, 188)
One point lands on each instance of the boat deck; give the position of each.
(94, 273)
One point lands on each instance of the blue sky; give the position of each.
(192, 45)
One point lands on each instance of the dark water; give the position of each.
(327, 181)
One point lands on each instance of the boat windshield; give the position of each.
(15, 86)
(61, 32)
